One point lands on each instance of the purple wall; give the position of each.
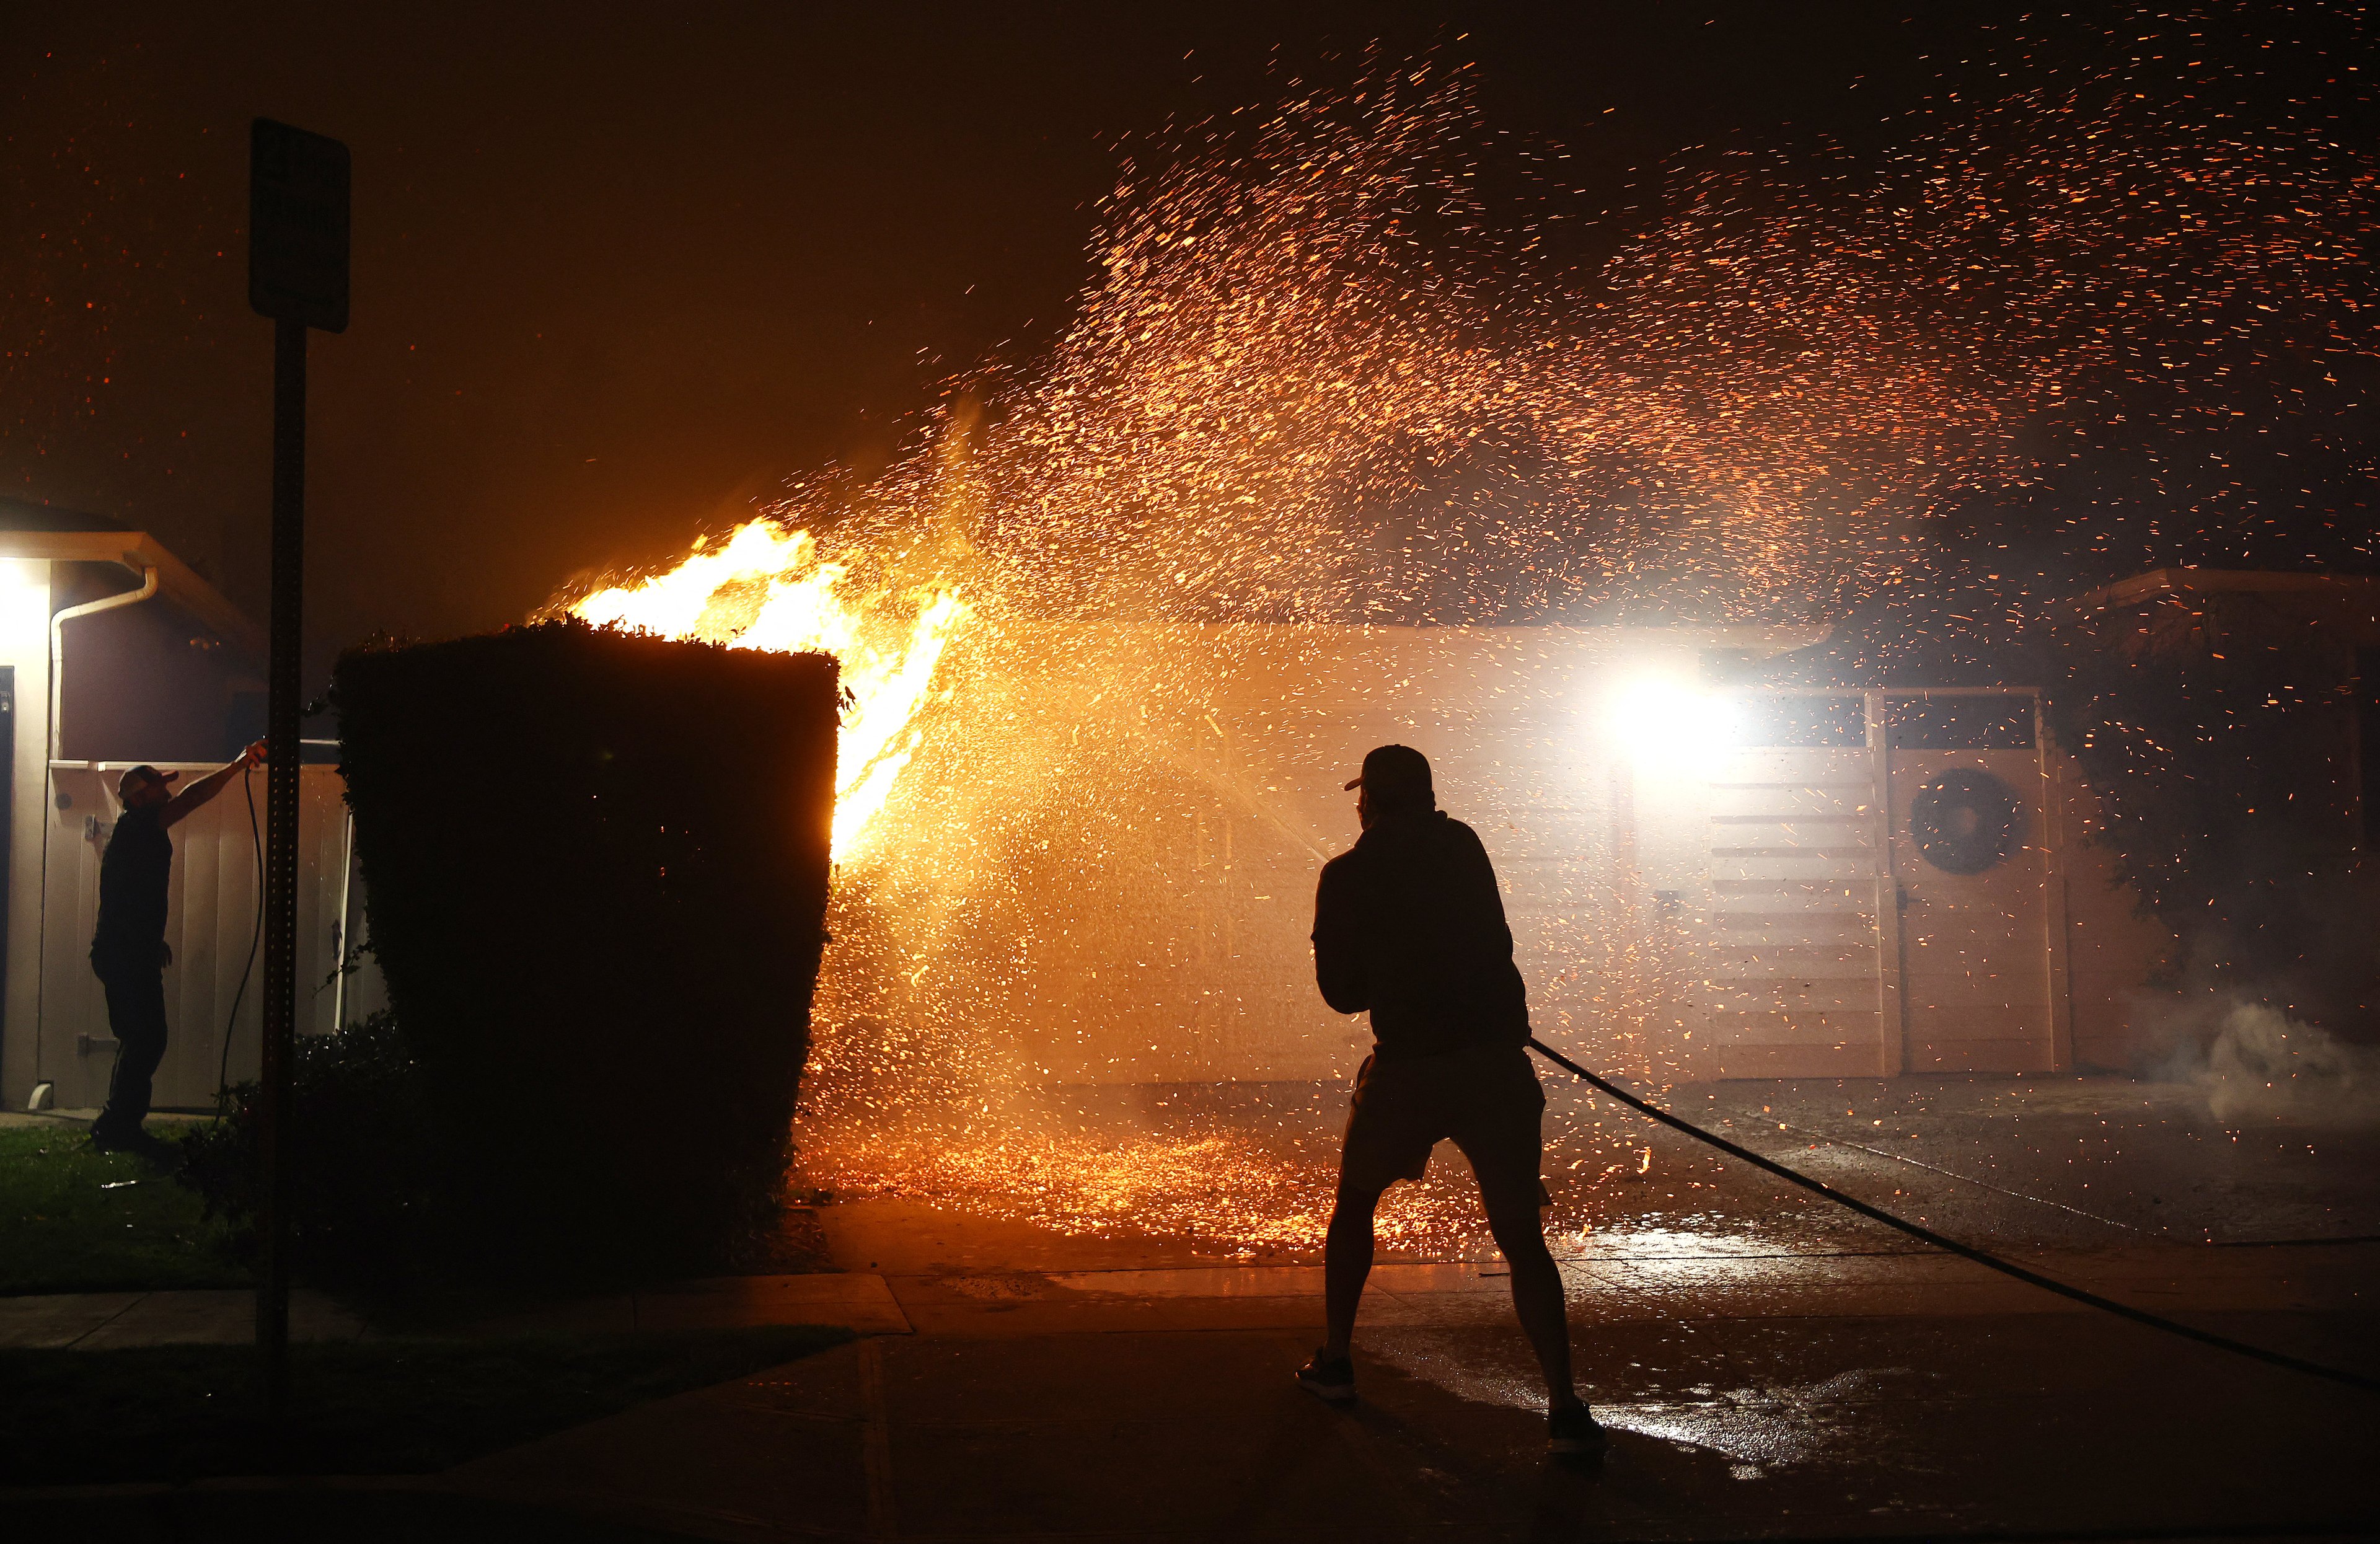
(149, 682)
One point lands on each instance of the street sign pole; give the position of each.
(281, 752)
(297, 275)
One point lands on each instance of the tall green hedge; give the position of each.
(597, 866)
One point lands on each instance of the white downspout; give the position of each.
(58, 621)
(58, 642)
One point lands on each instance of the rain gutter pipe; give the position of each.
(58, 621)
(58, 641)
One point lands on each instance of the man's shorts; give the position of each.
(1485, 1100)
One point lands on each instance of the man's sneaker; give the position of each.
(1330, 1378)
(1572, 1432)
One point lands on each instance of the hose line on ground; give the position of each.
(1965, 1251)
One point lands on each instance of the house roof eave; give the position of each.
(138, 550)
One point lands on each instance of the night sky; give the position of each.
(617, 273)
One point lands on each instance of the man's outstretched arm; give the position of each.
(1338, 952)
(189, 799)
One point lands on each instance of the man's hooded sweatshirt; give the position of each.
(1409, 924)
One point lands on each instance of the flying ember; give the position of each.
(767, 587)
(1319, 385)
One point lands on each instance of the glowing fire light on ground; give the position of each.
(767, 587)
(1220, 1187)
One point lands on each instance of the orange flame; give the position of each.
(769, 588)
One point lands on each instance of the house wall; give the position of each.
(214, 984)
(24, 647)
(143, 683)
(148, 683)
(1138, 912)
(1136, 908)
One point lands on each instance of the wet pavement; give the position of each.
(2044, 1424)
(2072, 1160)
(1769, 1366)
(2066, 1161)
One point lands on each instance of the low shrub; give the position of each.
(362, 1208)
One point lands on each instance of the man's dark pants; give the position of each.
(136, 1012)
(1485, 1098)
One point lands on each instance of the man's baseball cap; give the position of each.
(1395, 773)
(135, 776)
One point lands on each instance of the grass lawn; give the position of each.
(72, 1219)
(179, 1411)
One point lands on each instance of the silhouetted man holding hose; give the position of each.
(1409, 924)
(128, 952)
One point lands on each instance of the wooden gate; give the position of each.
(1883, 889)
(1982, 922)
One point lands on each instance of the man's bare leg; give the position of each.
(1347, 1264)
(1537, 1298)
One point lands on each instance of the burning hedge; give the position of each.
(598, 870)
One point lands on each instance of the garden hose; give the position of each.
(256, 836)
(1966, 1251)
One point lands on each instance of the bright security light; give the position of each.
(1662, 720)
(24, 599)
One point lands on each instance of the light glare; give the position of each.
(1665, 722)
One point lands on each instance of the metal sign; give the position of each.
(297, 226)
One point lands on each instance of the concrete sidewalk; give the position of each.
(110, 1320)
(105, 1320)
(1750, 1395)
(1819, 1428)
(1769, 1368)
(1619, 1281)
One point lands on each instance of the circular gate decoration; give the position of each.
(1964, 820)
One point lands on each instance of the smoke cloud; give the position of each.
(2252, 1060)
